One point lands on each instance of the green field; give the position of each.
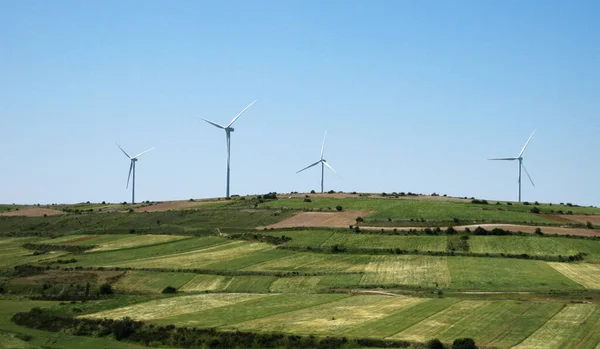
(410, 286)
(535, 246)
(430, 210)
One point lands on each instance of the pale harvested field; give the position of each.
(582, 219)
(135, 241)
(432, 326)
(334, 317)
(555, 333)
(201, 258)
(173, 205)
(163, 308)
(207, 283)
(407, 270)
(321, 219)
(585, 274)
(31, 212)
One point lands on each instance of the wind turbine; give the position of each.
(132, 169)
(520, 158)
(228, 129)
(323, 163)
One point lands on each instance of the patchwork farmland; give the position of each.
(256, 272)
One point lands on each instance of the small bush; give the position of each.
(535, 210)
(434, 344)
(106, 289)
(359, 219)
(589, 225)
(312, 192)
(464, 343)
(307, 200)
(169, 289)
(339, 208)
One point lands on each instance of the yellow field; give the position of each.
(201, 258)
(207, 283)
(555, 333)
(585, 274)
(136, 241)
(296, 284)
(163, 308)
(333, 317)
(407, 270)
(432, 326)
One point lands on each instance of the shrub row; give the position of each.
(362, 250)
(68, 248)
(270, 239)
(148, 334)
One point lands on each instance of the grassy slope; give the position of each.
(431, 210)
(8, 307)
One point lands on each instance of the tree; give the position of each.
(169, 289)
(106, 289)
(464, 343)
(434, 344)
(87, 289)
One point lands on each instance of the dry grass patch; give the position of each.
(207, 283)
(321, 219)
(331, 318)
(432, 326)
(585, 274)
(200, 258)
(407, 270)
(31, 212)
(162, 308)
(296, 284)
(135, 241)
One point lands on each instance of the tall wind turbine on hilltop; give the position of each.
(520, 158)
(228, 129)
(323, 163)
(132, 169)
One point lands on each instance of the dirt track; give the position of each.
(321, 219)
(31, 212)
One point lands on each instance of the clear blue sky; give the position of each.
(416, 95)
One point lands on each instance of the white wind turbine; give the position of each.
(520, 158)
(132, 169)
(323, 163)
(228, 129)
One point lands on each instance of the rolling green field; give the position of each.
(403, 286)
(431, 210)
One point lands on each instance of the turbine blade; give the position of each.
(527, 173)
(213, 123)
(142, 153)
(128, 177)
(331, 168)
(505, 159)
(309, 166)
(129, 157)
(323, 146)
(526, 144)
(242, 112)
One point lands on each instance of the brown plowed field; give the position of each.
(582, 219)
(321, 219)
(173, 205)
(32, 212)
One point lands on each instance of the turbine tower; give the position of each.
(520, 158)
(323, 163)
(228, 129)
(132, 169)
